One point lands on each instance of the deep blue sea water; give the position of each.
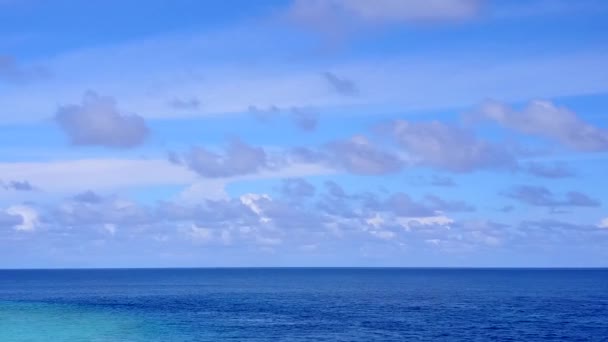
(304, 305)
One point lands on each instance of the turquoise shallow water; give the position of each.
(304, 305)
(40, 321)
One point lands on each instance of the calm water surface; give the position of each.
(303, 305)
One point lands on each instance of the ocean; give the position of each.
(304, 304)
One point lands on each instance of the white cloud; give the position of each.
(199, 234)
(383, 234)
(603, 223)
(98, 121)
(434, 242)
(250, 200)
(378, 221)
(546, 119)
(484, 238)
(203, 189)
(375, 221)
(238, 158)
(268, 241)
(29, 217)
(110, 228)
(414, 222)
(450, 147)
(215, 188)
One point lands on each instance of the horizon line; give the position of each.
(311, 267)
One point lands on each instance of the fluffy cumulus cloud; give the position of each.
(113, 211)
(385, 217)
(548, 120)
(470, 235)
(225, 213)
(543, 197)
(357, 155)
(29, 217)
(200, 234)
(251, 218)
(238, 158)
(448, 147)
(243, 220)
(300, 215)
(360, 156)
(98, 121)
(402, 205)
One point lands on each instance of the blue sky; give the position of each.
(303, 133)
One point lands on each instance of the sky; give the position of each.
(237, 133)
